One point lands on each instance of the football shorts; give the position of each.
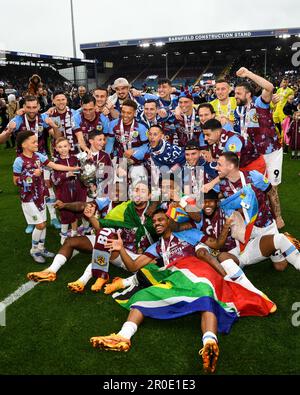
(274, 166)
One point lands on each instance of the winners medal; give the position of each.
(123, 139)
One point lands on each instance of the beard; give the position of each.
(31, 116)
(241, 102)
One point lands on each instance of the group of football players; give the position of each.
(140, 171)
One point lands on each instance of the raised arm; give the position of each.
(266, 85)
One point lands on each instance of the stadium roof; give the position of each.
(59, 62)
(159, 41)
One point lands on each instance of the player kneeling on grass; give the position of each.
(71, 247)
(282, 248)
(184, 285)
(28, 175)
(234, 185)
(137, 232)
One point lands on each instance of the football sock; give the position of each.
(128, 330)
(236, 275)
(209, 336)
(64, 229)
(49, 201)
(129, 281)
(57, 263)
(277, 257)
(42, 240)
(85, 224)
(73, 233)
(36, 236)
(87, 275)
(288, 250)
(63, 233)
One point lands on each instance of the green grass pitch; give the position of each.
(48, 329)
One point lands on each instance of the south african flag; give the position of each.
(191, 285)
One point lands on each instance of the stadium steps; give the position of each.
(203, 71)
(235, 64)
(178, 71)
(139, 74)
(226, 71)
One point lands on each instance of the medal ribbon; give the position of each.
(36, 126)
(166, 250)
(235, 190)
(244, 115)
(189, 125)
(127, 145)
(220, 111)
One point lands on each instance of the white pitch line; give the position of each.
(22, 290)
(10, 299)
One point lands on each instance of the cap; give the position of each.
(187, 95)
(120, 82)
(211, 195)
(191, 145)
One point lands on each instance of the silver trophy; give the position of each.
(88, 170)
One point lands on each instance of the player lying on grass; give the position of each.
(212, 242)
(28, 176)
(183, 285)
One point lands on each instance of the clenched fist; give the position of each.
(243, 72)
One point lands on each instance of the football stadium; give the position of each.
(210, 290)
